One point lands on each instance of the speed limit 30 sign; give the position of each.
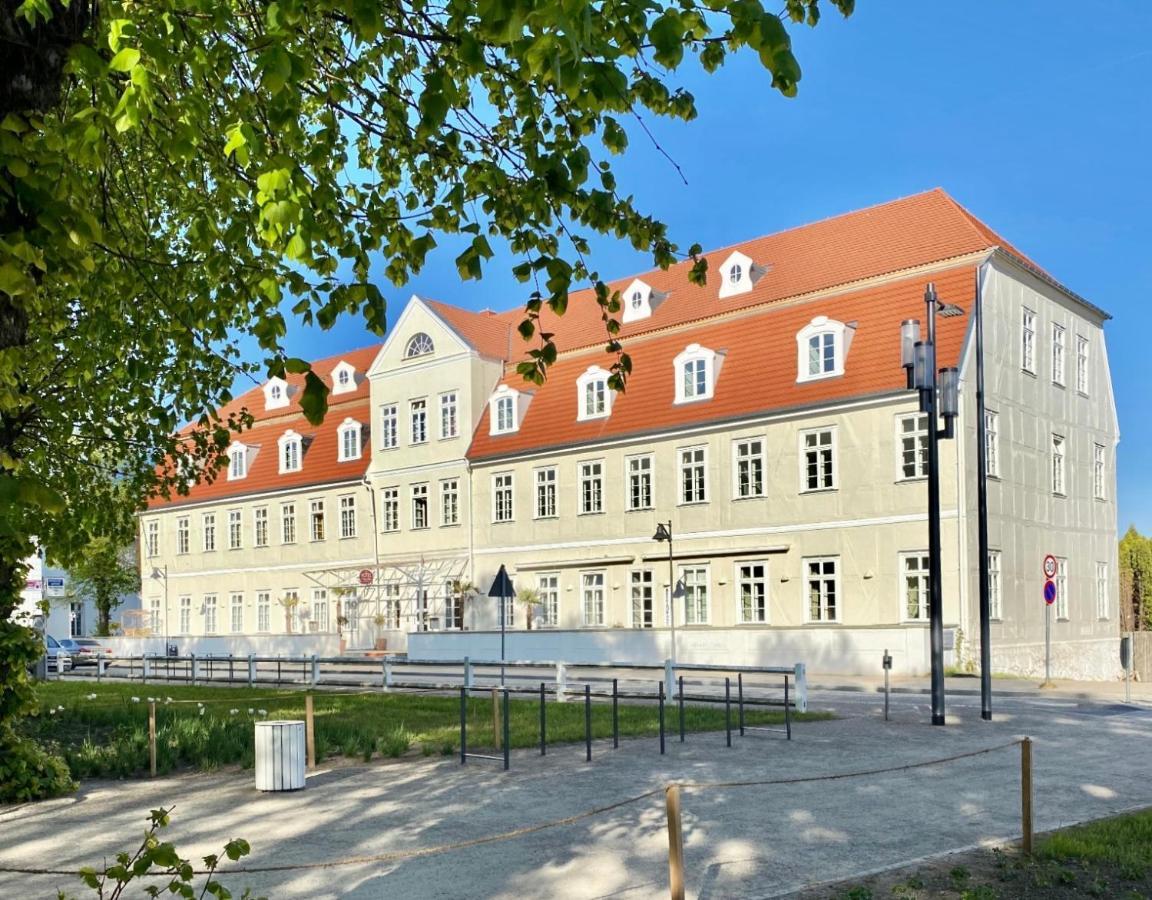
(1049, 566)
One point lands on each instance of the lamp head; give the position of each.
(157, 572)
(909, 335)
(662, 533)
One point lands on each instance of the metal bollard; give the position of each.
(561, 682)
(251, 670)
(588, 723)
(543, 722)
(100, 668)
(195, 673)
(728, 709)
(463, 725)
(615, 714)
(787, 710)
(144, 669)
(681, 709)
(507, 736)
(468, 677)
(740, 699)
(388, 675)
(661, 686)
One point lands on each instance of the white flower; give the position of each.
(135, 699)
(233, 712)
(151, 699)
(90, 697)
(250, 710)
(201, 710)
(61, 708)
(262, 712)
(52, 712)
(167, 699)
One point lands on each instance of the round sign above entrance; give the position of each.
(1049, 566)
(366, 576)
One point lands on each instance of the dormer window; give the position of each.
(343, 378)
(593, 396)
(291, 451)
(639, 300)
(696, 371)
(237, 462)
(738, 274)
(418, 345)
(275, 393)
(349, 440)
(506, 409)
(821, 347)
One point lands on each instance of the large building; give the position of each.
(767, 424)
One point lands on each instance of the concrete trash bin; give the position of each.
(280, 755)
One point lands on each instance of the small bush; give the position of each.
(29, 772)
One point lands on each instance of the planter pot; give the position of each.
(381, 643)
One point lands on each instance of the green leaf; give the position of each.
(314, 398)
(124, 61)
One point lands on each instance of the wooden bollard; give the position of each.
(495, 718)
(152, 737)
(1026, 794)
(310, 731)
(675, 843)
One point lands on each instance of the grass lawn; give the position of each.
(103, 732)
(1109, 858)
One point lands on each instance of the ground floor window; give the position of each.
(453, 606)
(752, 583)
(185, 615)
(1103, 607)
(914, 586)
(291, 604)
(592, 584)
(237, 609)
(822, 584)
(154, 618)
(548, 587)
(1061, 588)
(263, 611)
(643, 605)
(210, 614)
(389, 614)
(695, 581)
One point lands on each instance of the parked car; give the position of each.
(59, 659)
(85, 651)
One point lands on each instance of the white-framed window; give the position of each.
(237, 462)
(450, 501)
(592, 595)
(316, 524)
(748, 468)
(419, 506)
(418, 421)
(593, 396)
(639, 481)
(260, 526)
(505, 408)
(343, 378)
(548, 587)
(642, 598)
(992, 443)
(349, 433)
(390, 604)
(1103, 606)
(390, 506)
(236, 617)
(185, 615)
(818, 459)
(506, 610)
(1061, 588)
(1098, 471)
(389, 430)
(449, 420)
(291, 605)
(1028, 340)
(235, 529)
(183, 535)
(821, 347)
(592, 487)
(453, 606)
(737, 274)
(914, 586)
(695, 581)
(208, 523)
(209, 613)
(696, 371)
(1082, 364)
(291, 451)
(1059, 338)
(752, 591)
(546, 492)
(275, 393)
(912, 438)
(319, 609)
(152, 538)
(505, 414)
(263, 611)
(288, 523)
(1058, 466)
(693, 474)
(502, 497)
(348, 517)
(822, 587)
(418, 345)
(995, 607)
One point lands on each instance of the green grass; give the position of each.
(107, 735)
(1124, 842)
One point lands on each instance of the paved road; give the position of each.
(748, 841)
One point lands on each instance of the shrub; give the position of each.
(29, 772)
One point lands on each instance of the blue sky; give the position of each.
(1035, 115)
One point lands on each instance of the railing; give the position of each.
(401, 672)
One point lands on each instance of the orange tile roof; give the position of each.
(488, 333)
(758, 373)
(913, 231)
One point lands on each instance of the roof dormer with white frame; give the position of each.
(291, 452)
(349, 440)
(593, 396)
(506, 409)
(739, 274)
(344, 378)
(821, 348)
(639, 300)
(276, 393)
(239, 460)
(697, 369)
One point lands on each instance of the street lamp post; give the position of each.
(161, 572)
(939, 397)
(664, 533)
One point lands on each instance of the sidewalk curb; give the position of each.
(968, 692)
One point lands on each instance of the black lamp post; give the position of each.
(939, 396)
(664, 533)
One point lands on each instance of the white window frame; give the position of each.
(389, 426)
(263, 611)
(696, 601)
(833, 447)
(915, 566)
(390, 509)
(699, 475)
(237, 462)
(210, 610)
(291, 452)
(208, 532)
(288, 523)
(1099, 467)
(992, 443)
(545, 481)
(349, 442)
(343, 378)
(318, 610)
(641, 586)
(1059, 465)
(503, 498)
(703, 360)
(317, 526)
(589, 588)
(449, 415)
(837, 596)
(548, 588)
(995, 596)
(347, 516)
(1061, 579)
(1028, 340)
(1059, 346)
(816, 330)
(419, 492)
(591, 487)
(185, 614)
(275, 393)
(260, 526)
(740, 578)
(183, 536)
(420, 344)
(1082, 351)
(1103, 599)
(919, 447)
(744, 457)
(152, 538)
(737, 275)
(449, 501)
(596, 379)
(235, 529)
(638, 472)
(236, 605)
(418, 414)
(504, 408)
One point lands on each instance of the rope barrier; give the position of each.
(397, 855)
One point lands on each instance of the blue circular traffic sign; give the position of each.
(1049, 592)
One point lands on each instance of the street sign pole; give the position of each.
(1047, 645)
(503, 590)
